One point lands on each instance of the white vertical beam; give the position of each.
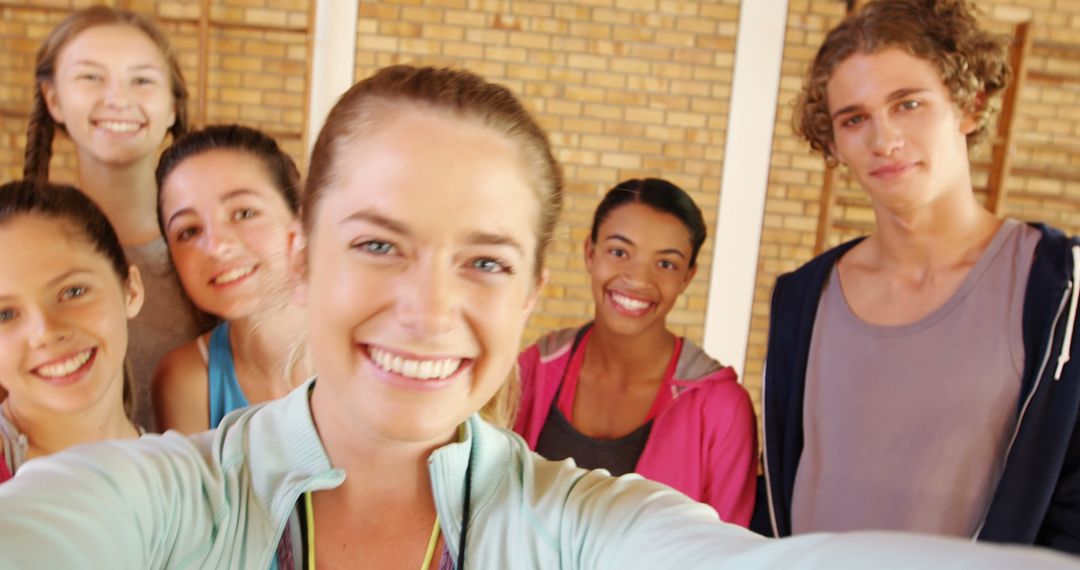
(759, 51)
(334, 59)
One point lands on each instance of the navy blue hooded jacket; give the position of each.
(1037, 500)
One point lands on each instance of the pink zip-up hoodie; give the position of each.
(703, 441)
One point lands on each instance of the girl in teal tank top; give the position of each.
(227, 204)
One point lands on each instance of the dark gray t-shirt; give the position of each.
(906, 427)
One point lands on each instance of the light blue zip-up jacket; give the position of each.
(221, 500)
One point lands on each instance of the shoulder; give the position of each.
(817, 269)
(180, 388)
(1053, 253)
(181, 369)
(694, 364)
(555, 343)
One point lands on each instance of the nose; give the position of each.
(887, 136)
(47, 328)
(117, 94)
(427, 299)
(636, 271)
(219, 241)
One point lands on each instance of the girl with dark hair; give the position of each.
(66, 295)
(623, 393)
(228, 203)
(920, 378)
(109, 80)
(388, 458)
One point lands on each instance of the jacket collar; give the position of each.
(287, 458)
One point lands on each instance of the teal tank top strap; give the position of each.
(225, 392)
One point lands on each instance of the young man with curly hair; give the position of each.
(920, 378)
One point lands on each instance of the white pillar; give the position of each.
(759, 53)
(333, 61)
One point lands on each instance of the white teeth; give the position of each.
(419, 369)
(66, 367)
(233, 275)
(628, 303)
(118, 126)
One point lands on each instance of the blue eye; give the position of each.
(375, 247)
(491, 265)
(7, 315)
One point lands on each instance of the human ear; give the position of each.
(589, 252)
(689, 277)
(297, 263)
(969, 118)
(134, 293)
(52, 101)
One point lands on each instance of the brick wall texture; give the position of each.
(626, 88)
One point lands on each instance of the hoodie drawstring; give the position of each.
(1066, 345)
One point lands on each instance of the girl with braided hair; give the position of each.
(109, 80)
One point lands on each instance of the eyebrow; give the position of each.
(67, 274)
(227, 197)
(378, 220)
(58, 279)
(628, 241)
(138, 66)
(895, 95)
(483, 238)
(474, 238)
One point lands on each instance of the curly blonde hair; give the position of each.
(972, 62)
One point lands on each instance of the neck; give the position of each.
(629, 358)
(127, 194)
(271, 343)
(48, 432)
(379, 471)
(938, 235)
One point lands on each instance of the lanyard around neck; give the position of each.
(465, 516)
(310, 510)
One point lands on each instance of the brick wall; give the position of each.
(256, 66)
(626, 88)
(1045, 184)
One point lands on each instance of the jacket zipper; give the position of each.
(1027, 401)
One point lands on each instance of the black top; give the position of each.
(559, 440)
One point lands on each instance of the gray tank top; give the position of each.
(167, 320)
(905, 427)
(14, 445)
